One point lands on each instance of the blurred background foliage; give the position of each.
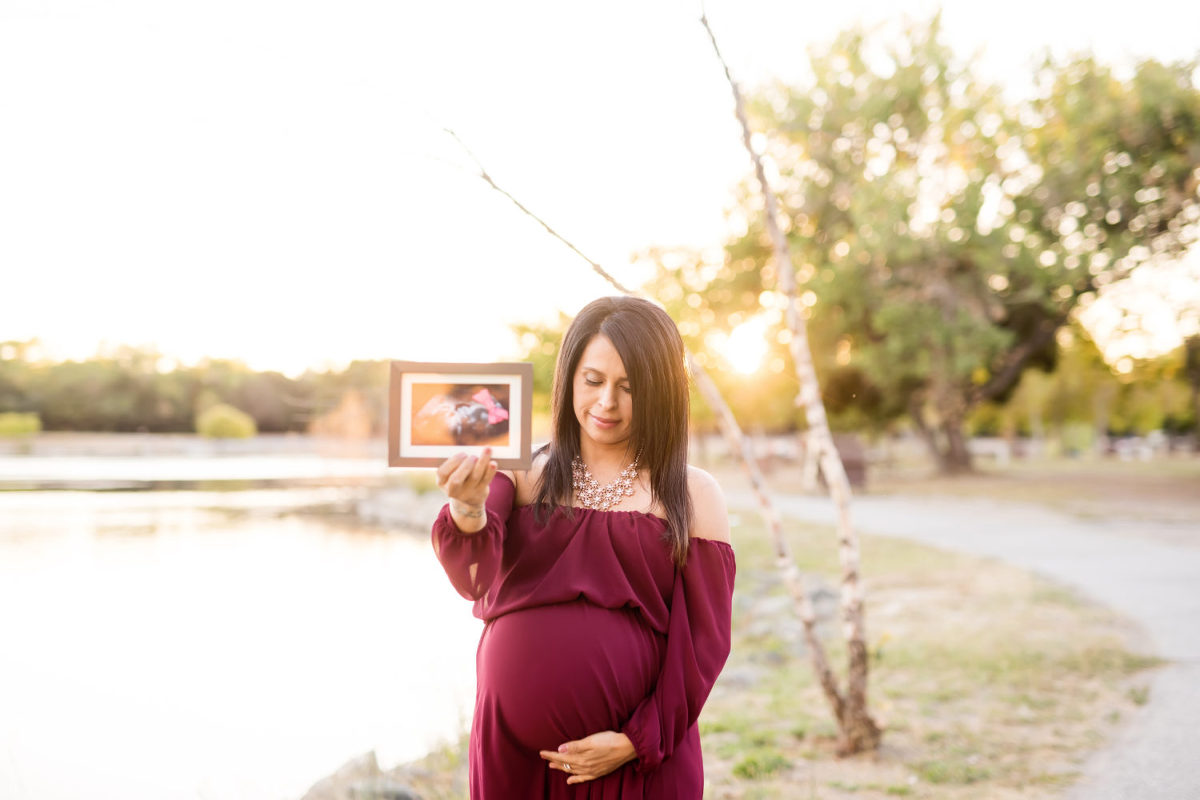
(129, 391)
(944, 236)
(223, 421)
(945, 240)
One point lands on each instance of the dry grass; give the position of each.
(989, 682)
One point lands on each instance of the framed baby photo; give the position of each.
(437, 409)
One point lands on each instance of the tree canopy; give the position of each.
(944, 234)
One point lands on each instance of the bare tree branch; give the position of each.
(858, 731)
(483, 173)
(1015, 361)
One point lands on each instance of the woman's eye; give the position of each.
(591, 382)
(627, 389)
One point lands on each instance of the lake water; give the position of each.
(171, 644)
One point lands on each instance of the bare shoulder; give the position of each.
(525, 481)
(711, 516)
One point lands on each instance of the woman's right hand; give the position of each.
(465, 480)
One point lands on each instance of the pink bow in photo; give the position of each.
(496, 412)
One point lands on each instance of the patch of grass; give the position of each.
(422, 481)
(1053, 594)
(1055, 780)
(950, 771)
(760, 764)
(709, 727)
(850, 788)
(16, 424)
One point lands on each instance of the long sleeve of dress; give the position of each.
(472, 560)
(698, 642)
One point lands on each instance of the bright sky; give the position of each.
(266, 179)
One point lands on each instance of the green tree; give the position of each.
(1083, 400)
(1154, 395)
(15, 376)
(223, 421)
(1073, 402)
(316, 393)
(943, 235)
(13, 423)
(128, 391)
(539, 345)
(1191, 373)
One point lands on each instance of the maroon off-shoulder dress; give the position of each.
(590, 627)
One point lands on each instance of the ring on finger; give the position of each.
(566, 767)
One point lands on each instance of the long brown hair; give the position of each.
(648, 342)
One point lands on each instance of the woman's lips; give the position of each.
(601, 422)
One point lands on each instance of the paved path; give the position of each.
(1148, 571)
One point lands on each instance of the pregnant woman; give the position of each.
(604, 574)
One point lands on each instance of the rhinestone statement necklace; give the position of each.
(591, 494)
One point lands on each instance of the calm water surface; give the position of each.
(155, 645)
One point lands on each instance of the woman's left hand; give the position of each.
(593, 757)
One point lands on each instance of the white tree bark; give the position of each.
(857, 729)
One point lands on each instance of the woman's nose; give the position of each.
(608, 397)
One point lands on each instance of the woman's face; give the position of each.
(602, 396)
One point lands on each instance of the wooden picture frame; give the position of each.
(437, 409)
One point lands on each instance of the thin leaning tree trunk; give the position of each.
(739, 446)
(857, 730)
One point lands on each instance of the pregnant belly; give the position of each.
(561, 672)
